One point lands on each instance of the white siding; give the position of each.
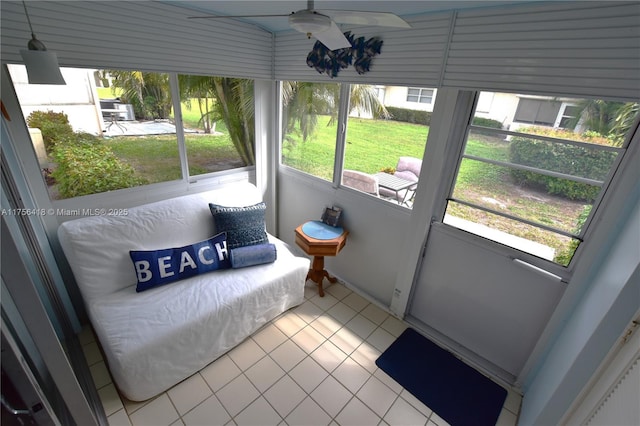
(137, 35)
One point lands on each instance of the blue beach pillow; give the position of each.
(244, 225)
(158, 267)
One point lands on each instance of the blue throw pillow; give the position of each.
(244, 225)
(253, 255)
(158, 267)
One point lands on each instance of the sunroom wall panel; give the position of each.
(589, 49)
(409, 56)
(137, 35)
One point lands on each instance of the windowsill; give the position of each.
(518, 243)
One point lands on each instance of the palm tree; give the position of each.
(148, 92)
(199, 87)
(304, 102)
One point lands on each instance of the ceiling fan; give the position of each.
(321, 24)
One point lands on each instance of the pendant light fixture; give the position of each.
(42, 65)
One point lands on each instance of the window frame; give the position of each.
(596, 205)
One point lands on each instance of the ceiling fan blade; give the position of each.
(333, 38)
(236, 16)
(380, 19)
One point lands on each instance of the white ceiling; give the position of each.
(402, 8)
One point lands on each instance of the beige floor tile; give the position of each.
(394, 326)
(86, 335)
(119, 418)
(326, 302)
(220, 372)
(374, 314)
(159, 412)
(308, 339)
(259, 413)
(366, 356)
(308, 311)
(287, 355)
(329, 356)
(237, 395)
(402, 413)
(378, 396)
(92, 353)
(352, 375)
(290, 323)
(264, 373)
(110, 399)
(416, 403)
(209, 412)
(269, 338)
(189, 393)
(331, 396)
(361, 326)
(355, 302)
(438, 420)
(285, 395)
(357, 413)
(388, 380)
(507, 418)
(100, 374)
(308, 413)
(326, 325)
(342, 312)
(338, 291)
(308, 374)
(346, 340)
(381, 339)
(246, 354)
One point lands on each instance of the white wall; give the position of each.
(371, 257)
(78, 98)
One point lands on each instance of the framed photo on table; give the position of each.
(331, 216)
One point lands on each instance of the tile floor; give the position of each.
(313, 365)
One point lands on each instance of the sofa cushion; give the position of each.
(158, 267)
(244, 226)
(257, 254)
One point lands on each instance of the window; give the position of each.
(310, 126)
(537, 111)
(535, 190)
(382, 151)
(114, 129)
(210, 130)
(423, 96)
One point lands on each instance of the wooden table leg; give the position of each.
(318, 274)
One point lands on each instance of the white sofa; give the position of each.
(154, 339)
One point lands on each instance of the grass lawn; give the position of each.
(372, 145)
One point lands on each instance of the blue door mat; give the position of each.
(456, 392)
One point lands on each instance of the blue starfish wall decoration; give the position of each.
(359, 55)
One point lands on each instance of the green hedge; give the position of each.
(86, 166)
(409, 115)
(54, 126)
(569, 159)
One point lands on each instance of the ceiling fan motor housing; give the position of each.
(309, 22)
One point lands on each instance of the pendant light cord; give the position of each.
(28, 19)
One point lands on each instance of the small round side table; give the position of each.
(318, 239)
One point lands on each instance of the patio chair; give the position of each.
(361, 181)
(408, 168)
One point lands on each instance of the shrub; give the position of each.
(569, 159)
(89, 167)
(54, 126)
(565, 256)
(409, 115)
(487, 122)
